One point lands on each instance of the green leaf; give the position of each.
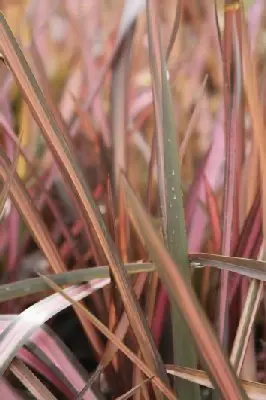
(185, 299)
(29, 286)
(184, 347)
(171, 200)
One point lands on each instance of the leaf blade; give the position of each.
(169, 182)
(186, 300)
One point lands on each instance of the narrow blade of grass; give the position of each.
(234, 117)
(29, 286)
(256, 110)
(245, 324)
(119, 112)
(250, 268)
(170, 192)
(184, 348)
(155, 67)
(185, 299)
(244, 267)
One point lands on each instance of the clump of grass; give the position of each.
(132, 203)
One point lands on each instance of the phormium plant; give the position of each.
(133, 199)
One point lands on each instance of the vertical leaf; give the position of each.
(170, 193)
(234, 122)
(185, 299)
(184, 349)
